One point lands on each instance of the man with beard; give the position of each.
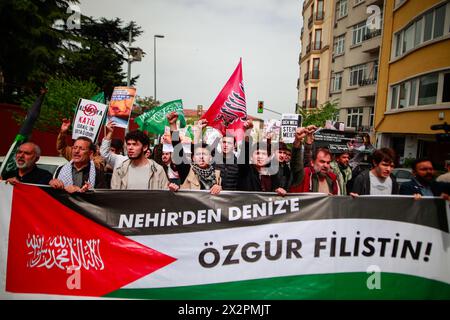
(138, 172)
(27, 172)
(340, 167)
(317, 177)
(423, 182)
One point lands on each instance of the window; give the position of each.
(315, 72)
(402, 96)
(357, 74)
(318, 39)
(439, 19)
(394, 97)
(354, 117)
(341, 9)
(418, 33)
(408, 39)
(428, 89)
(336, 84)
(428, 26)
(446, 88)
(412, 92)
(375, 70)
(398, 43)
(372, 116)
(313, 103)
(339, 44)
(319, 13)
(359, 31)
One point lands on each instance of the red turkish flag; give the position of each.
(47, 238)
(228, 112)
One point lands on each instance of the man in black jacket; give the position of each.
(27, 172)
(379, 180)
(423, 182)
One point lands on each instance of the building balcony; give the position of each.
(367, 88)
(307, 104)
(371, 41)
(316, 45)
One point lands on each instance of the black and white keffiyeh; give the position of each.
(207, 177)
(65, 175)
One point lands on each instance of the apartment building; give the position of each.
(315, 57)
(413, 91)
(343, 67)
(354, 61)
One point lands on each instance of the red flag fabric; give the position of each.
(228, 112)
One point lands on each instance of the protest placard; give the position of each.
(88, 119)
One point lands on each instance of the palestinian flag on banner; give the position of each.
(191, 245)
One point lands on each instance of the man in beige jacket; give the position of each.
(138, 172)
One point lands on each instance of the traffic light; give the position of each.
(260, 106)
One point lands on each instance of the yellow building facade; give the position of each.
(413, 90)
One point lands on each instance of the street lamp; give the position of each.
(154, 54)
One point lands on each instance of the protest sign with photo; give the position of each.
(120, 105)
(335, 141)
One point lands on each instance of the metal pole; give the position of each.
(154, 64)
(129, 58)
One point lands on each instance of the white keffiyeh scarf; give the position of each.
(65, 175)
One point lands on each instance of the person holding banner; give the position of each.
(27, 172)
(342, 170)
(379, 180)
(80, 174)
(66, 151)
(139, 172)
(318, 176)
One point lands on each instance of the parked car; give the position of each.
(47, 163)
(402, 174)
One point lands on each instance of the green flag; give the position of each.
(9, 163)
(155, 120)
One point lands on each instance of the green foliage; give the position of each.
(60, 102)
(317, 117)
(34, 49)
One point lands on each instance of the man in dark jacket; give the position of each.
(423, 182)
(379, 180)
(227, 163)
(27, 172)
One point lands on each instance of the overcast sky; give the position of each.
(204, 40)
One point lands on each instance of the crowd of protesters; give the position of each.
(261, 166)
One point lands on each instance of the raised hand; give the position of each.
(65, 125)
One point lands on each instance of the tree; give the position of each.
(317, 117)
(34, 48)
(60, 102)
(29, 46)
